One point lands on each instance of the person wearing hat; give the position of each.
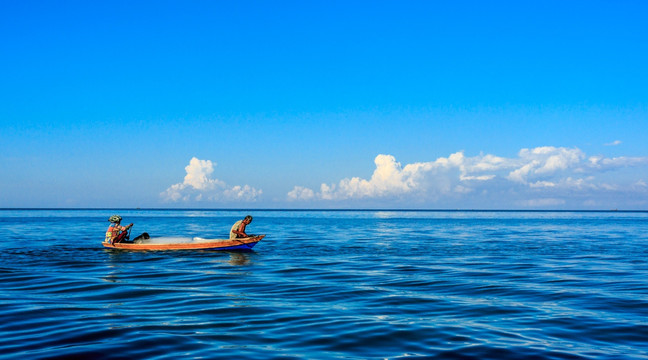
(238, 229)
(117, 233)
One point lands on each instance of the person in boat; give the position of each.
(238, 229)
(117, 233)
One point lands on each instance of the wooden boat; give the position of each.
(241, 244)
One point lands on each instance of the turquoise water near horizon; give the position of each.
(328, 284)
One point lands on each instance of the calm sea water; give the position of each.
(328, 285)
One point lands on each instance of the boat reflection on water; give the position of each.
(239, 258)
(125, 265)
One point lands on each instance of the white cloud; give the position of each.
(541, 184)
(389, 178)
(539, 176)
(198, 172)
(544, 161)
(199, 186)
(301, 193)
(245, 192)
(603, 163)
(614, 143)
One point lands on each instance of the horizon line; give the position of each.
(318, 209)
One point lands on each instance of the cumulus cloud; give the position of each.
(614, 143)
(544, 161)
(199, 186)
(301, 193)
(198, 172)
(537, 175)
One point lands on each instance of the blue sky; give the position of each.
(336, 104)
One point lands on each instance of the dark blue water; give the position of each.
(328, 285)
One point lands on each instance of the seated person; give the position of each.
(117, 233)
(238, 229)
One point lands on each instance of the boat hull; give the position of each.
(242, 244)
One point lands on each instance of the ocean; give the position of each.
(328, 285)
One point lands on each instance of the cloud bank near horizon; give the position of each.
(199, 186)
(542, 176)
(538, 177)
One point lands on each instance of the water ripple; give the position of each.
(464, 286)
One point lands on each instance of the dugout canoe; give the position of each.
(241, 244)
